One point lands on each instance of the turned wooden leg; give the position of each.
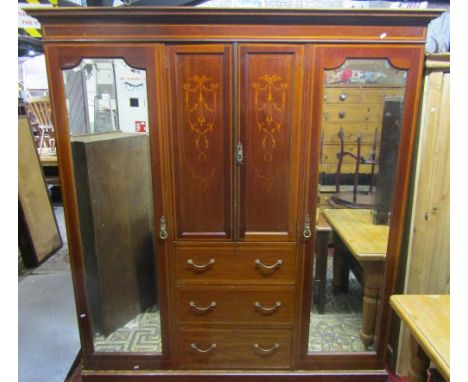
(321, 252)
(419, 363)
(372, 280)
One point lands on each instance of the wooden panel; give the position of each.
(38, 235)
(235, 348)
(113, 188)
(236, 265)
(235, 305)
(428, 264)
(270, 110)
(201, 95)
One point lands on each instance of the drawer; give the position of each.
(234, 348)
(351, 131)
(342, 95)
(235, 265)
(234, 305)
(352, 112)
(376, 96)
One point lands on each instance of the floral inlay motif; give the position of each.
(200, 99)
(270, 100)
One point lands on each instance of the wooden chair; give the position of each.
(40, 107)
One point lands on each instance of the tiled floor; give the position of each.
(48, 340)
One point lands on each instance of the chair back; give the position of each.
(40, 107)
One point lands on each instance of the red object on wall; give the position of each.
(140, 126)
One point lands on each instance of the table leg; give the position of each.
(372, 279)
(321, 255)
(419, 362)
(340, 266)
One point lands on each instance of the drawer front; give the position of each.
(351, 132)
(234, 266)
(337, 113)
(234, 348)
(342, 95)
(377, 96)
(234, 305)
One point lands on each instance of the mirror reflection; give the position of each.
(361, 129)
(108, 123)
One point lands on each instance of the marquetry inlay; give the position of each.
(200, 111)
(270, 100)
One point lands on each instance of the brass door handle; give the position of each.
(201, 267)
(271, 309)
(267, 351)
(162, 228)
(307, 230)
(195, 347)
(202, 309)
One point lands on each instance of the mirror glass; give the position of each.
(108, 123)
(360, 135)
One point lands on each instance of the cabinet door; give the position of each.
(270, 104)
(201, 144)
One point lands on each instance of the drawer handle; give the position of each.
(343, 97)
(268, 309)
(269, 267)
(202, 309)
(195, 347)
(341, 114)
(267, 351)
(201, 267)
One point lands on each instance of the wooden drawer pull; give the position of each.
(201, 267)
(266, 351)
(202, 309)
(269, 267)
(341, 114)
(264, 309)
(195, 347)
(343, 97)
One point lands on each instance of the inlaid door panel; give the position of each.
(202, 140)
(270, 104)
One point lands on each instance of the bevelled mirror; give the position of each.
(108, 123)
(360, 135)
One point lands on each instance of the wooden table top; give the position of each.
(428, 318)
(322, 224)
(48, 160)
(365, 240)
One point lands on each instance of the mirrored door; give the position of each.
(108, 119)
(364, 105)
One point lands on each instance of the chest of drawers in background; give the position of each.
(356, 111)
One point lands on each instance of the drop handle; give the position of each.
(207, 350)
(201, 267)
(268, 267)
(266, 351)
(265, 309)
(210, 306)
